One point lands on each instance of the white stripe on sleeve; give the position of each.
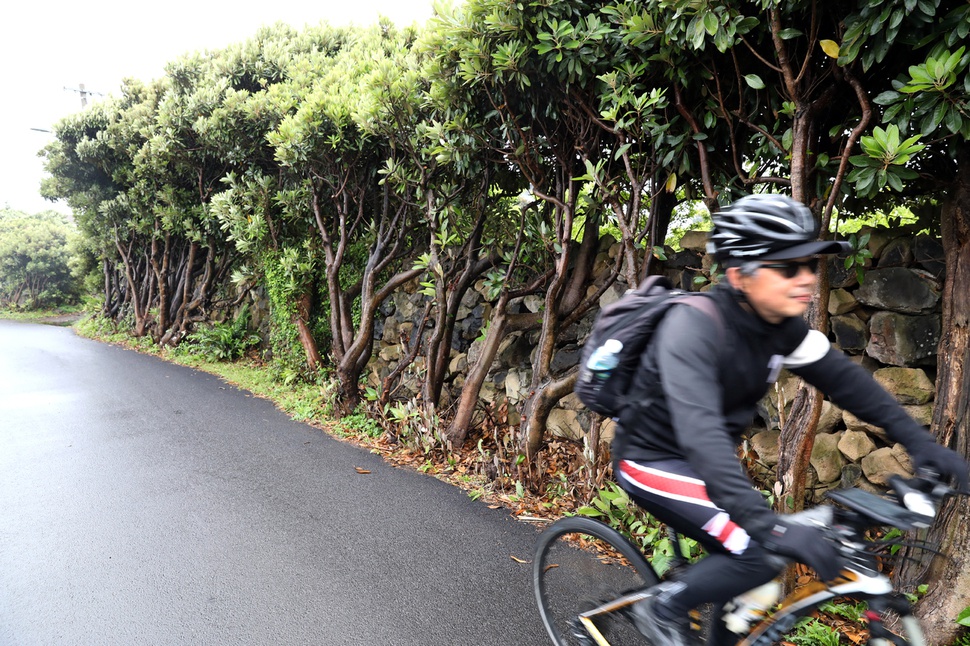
(815, 346)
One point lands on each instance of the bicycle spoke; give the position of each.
(576, 573)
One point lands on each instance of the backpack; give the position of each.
(620, 335)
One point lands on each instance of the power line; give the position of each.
(83, 92)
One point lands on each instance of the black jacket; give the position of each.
(699, 384)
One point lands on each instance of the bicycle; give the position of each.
(585, 592)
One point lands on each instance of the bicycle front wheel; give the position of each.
(579, 565)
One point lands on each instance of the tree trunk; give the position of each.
(301, 319)
(661, 212)
(161, 277)
(537, 409)
(951, 532)
(458, 430)
(798, 432)
(351, 365)
(564, 294)
(134, 292)
(106, 269)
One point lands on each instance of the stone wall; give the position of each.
(890, 324)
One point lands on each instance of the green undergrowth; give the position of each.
(68, 313)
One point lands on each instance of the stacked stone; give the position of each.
(890, 324)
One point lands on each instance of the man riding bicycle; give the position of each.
(696, 391)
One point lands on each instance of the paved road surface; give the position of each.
(145, 503)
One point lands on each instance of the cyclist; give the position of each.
(697, 389)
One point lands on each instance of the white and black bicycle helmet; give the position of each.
(766, 227)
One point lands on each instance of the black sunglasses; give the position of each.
(790, 268)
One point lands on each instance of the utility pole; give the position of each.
(84, 93)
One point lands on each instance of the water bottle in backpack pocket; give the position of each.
(603, 360)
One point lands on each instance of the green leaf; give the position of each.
(788, 139)
(894, 181)
(886, 98)
(964, 617)
(754, 81)
(590, 511)
(746, 24)
(710, 22)
(699, 34)
(953, 121)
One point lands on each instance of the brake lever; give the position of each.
(919, 499)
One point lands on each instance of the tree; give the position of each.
(543, 77)
(87, 171)
(262, 209)
(438, 168)
(35, 260)
(926, 98)
(368, 237)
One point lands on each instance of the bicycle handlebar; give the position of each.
(913, 502)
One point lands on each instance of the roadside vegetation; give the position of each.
(40, 262)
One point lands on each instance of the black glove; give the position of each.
(807, 545)
(939, 459)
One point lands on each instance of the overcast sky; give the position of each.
(48, 48)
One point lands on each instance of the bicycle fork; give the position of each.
(878, 609)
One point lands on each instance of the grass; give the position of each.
(69, 313)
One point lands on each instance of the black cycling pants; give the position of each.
(674, 493)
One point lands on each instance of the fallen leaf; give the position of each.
(361, 470)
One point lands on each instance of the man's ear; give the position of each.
(735, 278)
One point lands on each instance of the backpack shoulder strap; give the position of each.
(706, 305)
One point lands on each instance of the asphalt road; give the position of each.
(146, 503)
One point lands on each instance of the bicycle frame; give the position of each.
(912, 506)
(850, 582)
